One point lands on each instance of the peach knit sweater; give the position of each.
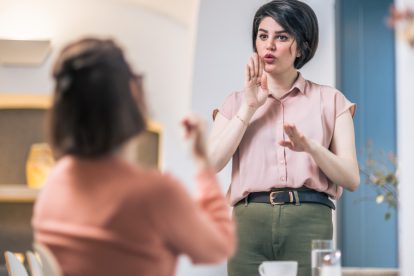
(107, 217)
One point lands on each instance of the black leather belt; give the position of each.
(289, 197)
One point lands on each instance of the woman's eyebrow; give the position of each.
(277, 32)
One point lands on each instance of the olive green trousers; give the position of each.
(277, 232)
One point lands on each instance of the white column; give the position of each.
(405, 134)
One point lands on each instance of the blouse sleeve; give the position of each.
(334, 104)
(342, 104)
(201, 229)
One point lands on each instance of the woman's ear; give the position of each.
(214, 114)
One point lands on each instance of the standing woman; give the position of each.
(291, 142)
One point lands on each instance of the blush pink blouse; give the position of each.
(260, 163)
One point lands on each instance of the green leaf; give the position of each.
(390, 177)
(387, 215)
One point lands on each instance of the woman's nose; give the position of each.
(271, 45)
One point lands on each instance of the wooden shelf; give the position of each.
(359, 271)
(17, 193)
(22, 101)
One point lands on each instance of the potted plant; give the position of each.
(381, 172)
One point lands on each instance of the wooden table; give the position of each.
(358, 271)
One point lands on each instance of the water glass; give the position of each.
(331, 265)
(320, 249)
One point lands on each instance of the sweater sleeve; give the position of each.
(201, 229)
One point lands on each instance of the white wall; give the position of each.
(223, 46)
(156, 45)
(405, 136)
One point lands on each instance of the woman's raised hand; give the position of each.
(194, 132)
(256, 90)
(297, 141)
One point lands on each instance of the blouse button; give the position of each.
(282, 178)
(282, 161)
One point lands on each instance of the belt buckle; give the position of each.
(282, 202)
(271, 198)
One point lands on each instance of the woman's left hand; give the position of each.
(297, 141)
(194, 131)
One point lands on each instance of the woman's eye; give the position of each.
(263, 36)
(282, 38)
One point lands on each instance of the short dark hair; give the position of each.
(298, 19)
(94, 108)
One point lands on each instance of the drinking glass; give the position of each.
(320, 248)
(331, 264)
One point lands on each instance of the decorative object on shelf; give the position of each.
(20, 52)
(381, 172)
(403, 22)
(23, 119)
(39, 163)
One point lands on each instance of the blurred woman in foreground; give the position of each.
(101, 215)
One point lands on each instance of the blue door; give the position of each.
(366, 75)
